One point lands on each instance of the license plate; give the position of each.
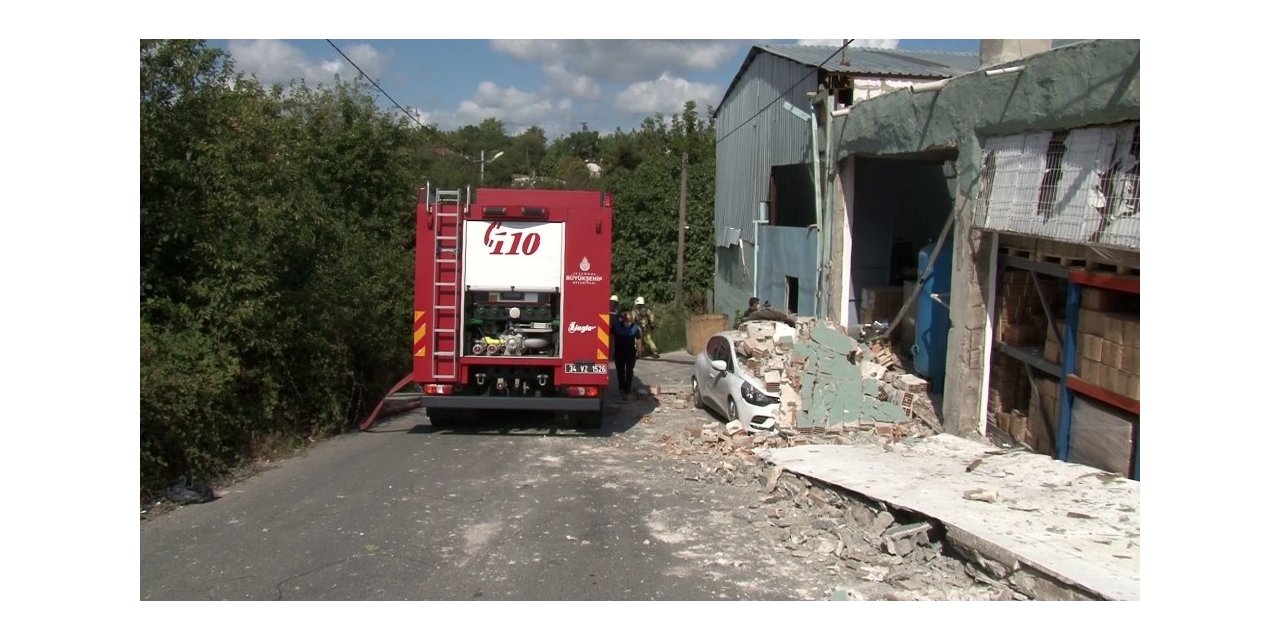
(585, 367)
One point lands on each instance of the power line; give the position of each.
(413, 117)
(780, 95)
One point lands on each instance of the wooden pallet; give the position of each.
(1017, 252)
(1069, 262)
(1100, 266)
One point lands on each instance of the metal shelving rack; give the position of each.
(1071, 384)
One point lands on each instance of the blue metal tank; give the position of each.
(933, 317)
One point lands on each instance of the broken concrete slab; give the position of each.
(1096, 556)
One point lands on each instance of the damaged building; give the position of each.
(984, 206)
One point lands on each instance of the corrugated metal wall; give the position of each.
(743, 157)
(774, 137)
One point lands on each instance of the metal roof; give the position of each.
(883, 62)
(867, 61)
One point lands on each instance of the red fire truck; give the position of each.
(511, 302)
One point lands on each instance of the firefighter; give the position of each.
(648, 323)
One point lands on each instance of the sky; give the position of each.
(554, 84)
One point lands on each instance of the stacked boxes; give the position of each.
(1009, 385)
(1107, 341)
(1020, 317)
(1020, 321)
(1108, 335)
(1042, 418)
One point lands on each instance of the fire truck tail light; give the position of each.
(582, 392)
(438, 389)
(495, 212)
(533, 212)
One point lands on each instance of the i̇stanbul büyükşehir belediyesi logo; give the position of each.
(584, 274)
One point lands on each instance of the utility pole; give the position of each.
(684, 183)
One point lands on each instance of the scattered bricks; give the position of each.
(760, 329)
(881, 523)
(734, 427)
(792, 485)
(902, 539)
(912, 383)
(693, 430)
(772, 482)
(825, 495)
(710, 436)
(742, 441)
(824, 524)
(785, 343)
(773, 381)
(981, 495)
(872, 371)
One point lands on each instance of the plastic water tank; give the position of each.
(933, 317)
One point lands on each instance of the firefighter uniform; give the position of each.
(648, 323)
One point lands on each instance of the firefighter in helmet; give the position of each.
(648, 323)
(615, 309)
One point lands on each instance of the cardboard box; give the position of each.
(1090, 347)
(1129, 359)
(1092, 322)
(1112, 354)
(1130, 333)
(1089, 371)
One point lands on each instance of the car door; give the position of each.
(706, 374)
(721, 381)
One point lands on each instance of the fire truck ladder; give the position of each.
(448, 209)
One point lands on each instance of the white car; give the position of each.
(721, 383)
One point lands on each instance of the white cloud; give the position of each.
(665, 95)
(564, 81)
(274, 61)
(623, 60)
(517, 109)
(875, 44)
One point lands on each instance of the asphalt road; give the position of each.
(506, 509)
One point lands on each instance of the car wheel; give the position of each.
(697, 393)
(733, 410)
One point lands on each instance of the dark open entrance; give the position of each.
(900, 205)
(793, 294)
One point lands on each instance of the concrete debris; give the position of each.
(830, 386)
(981, 495)
(903, 539)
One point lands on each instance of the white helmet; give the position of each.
(639, 299)
(613, 298)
